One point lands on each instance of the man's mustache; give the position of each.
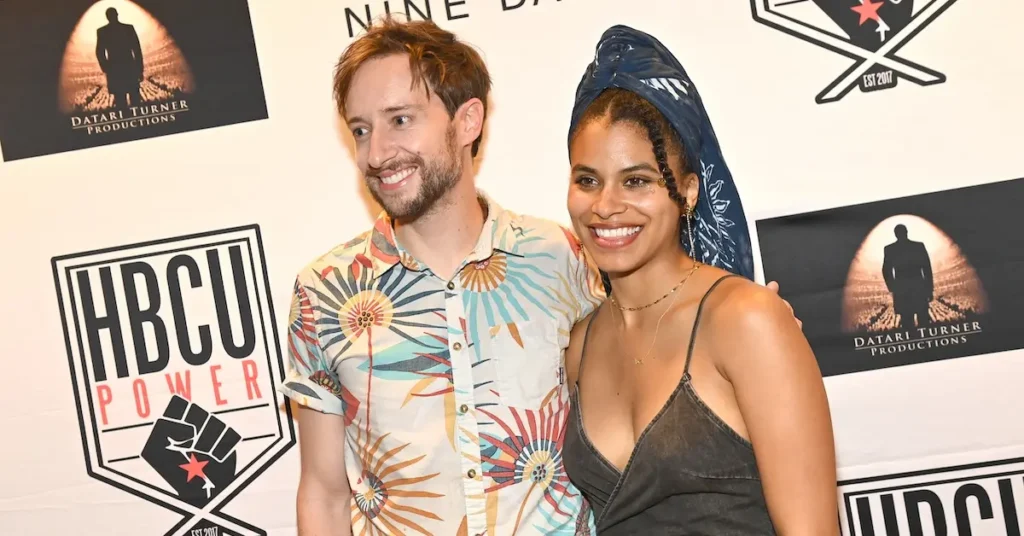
(393, 166)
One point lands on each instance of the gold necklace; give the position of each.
(667, 294)
(657, 326)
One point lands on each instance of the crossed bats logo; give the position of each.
(870, 32)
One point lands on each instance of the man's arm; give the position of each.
(323, 501)
(774, 287)
(585, 287)
(781, 396)
(101, 50)
(137, 52)
(887, 274)
(926, 271)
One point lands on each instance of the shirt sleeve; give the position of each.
(585, 285)
(309, 380)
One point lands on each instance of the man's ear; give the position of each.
(469, 122)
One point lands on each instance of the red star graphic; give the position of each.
(194, 468)
(868, 10)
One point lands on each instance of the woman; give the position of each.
(698, 406)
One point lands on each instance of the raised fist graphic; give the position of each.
(193, 451)
(869, 24)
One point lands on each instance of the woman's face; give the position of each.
(618, 209)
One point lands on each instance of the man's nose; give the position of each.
(380, 150)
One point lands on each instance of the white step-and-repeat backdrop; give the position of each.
(151, 232)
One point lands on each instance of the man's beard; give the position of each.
(438, 177)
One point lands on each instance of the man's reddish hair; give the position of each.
(439, 62)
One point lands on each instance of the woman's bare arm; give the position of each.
(781, 396)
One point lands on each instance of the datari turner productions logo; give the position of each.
(122, 70)
(870, 32)
(911, 288)
(175, 359)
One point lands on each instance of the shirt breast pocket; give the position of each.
(528, 361)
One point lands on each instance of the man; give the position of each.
(426, 354)
(120, 56)
(907, 270)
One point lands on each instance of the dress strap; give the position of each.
(696, 323)
(583, 349)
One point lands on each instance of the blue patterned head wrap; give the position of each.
(637, 62)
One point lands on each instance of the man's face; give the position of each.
(406, 145)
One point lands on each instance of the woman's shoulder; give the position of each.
(579, 332)
(737, 303)
(745, 320)
(574, 353)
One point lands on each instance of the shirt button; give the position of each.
(457, 346)
(472, 473)
(463, 408)
(451, 285)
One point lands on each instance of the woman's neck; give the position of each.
(650, 282)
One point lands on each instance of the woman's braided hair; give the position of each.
(620, 105)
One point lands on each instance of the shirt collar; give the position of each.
(501, 231)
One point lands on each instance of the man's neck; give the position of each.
(441, 240)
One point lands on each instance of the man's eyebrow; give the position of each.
(401, 108)
(388, 110)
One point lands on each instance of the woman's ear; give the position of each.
(689, 189)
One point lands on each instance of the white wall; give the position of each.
(293, 176)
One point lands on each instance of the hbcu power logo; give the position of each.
(175, 360)
(870, 32)
(982, 497)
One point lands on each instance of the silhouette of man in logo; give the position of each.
(120, 57)
(193, 451)
(907, 270)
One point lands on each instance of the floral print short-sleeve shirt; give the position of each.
(453, 392)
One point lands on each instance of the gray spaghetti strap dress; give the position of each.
(689, 474)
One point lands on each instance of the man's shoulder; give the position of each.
(340, 256)
(534, 233)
